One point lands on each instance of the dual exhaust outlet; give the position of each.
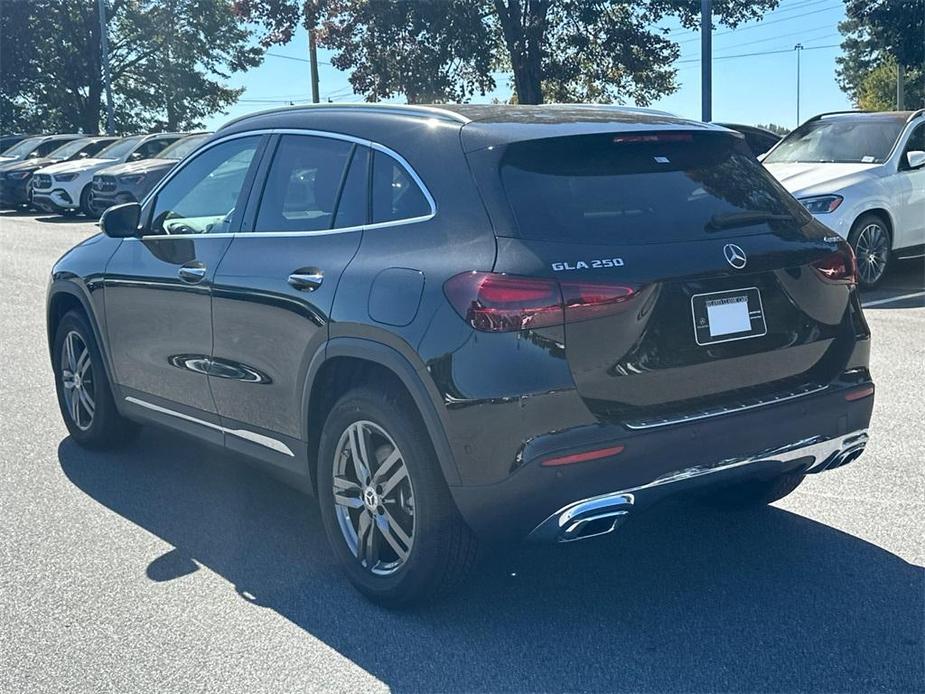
(602, 514)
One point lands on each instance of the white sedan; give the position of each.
(65, 187)
(862, 175)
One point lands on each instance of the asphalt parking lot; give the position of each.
(169, 566)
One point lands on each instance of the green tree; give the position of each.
(562, 50)
(877, 91)
(877, 32)
(776, 129)
(167, 60)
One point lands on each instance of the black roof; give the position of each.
(482, 124)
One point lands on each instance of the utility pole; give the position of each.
(900, 87)
(313, 64)
(799, 49)
(104, 57)
(706, 60)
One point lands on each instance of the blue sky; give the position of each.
(747, 89)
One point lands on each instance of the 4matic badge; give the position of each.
(595, 264)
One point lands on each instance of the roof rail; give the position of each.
(835, 113)
(915, 114)
(407, 109)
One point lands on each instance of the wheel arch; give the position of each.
(884, 214)
(64, 296)
(345, 362)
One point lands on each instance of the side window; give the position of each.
(354, 198)
(152, 148)
(202, 197)
(917, 139)
(395, 194)
(95, 147)
(302, 185)
(46, 147)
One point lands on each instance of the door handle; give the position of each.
(306, 279)
(192, 273)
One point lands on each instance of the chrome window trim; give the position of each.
(277, 234)
(253, 437)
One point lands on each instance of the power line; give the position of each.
(749, 55)
(773, 13)
(784, 36)
(762, 24)
(292, 57)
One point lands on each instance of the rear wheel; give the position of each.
(745, 495)
(84, 394)
(385, 506)
(870, 239)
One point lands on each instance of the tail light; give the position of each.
(493, 302)
(840, 267)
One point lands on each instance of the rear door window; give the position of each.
(639, 188)
(303, 184)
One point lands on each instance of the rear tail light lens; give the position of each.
(493, 302)
(840, 266)
(503, 303)
(584, 300)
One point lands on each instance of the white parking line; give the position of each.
(890, 300)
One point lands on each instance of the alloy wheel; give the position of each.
(78, 381)
(872, 249)
(373, 498)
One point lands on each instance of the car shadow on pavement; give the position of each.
(681, 598)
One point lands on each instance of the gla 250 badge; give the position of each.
(596, 264)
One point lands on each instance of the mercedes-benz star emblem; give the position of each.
(735, 256)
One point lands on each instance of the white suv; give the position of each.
(65, 187)
(862, 175)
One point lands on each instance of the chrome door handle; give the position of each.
(306, 280)
(192, 273)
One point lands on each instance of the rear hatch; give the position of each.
(689, 278)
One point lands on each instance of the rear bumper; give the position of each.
(818, 431)
(601, 514)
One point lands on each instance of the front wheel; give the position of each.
(870, 240)
(84, 394)
(385, 506)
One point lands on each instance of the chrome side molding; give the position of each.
(252, 436)
(602, 514)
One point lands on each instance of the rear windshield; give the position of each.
(639, 188)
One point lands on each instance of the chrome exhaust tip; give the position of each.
(585, 519)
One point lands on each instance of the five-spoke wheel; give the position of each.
(374, 498)
(385, 504)
(77, 380)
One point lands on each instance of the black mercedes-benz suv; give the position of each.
(471, 324)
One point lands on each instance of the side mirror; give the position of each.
(121, 221)
(134, 156)
(915, 159)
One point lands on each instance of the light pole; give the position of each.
(104, 57)
(799, 49)
(706, 60)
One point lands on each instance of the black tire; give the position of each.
(85, 202)
(872, 242)
(443, 550)
(99, 427)
(754, 493)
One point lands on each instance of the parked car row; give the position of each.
(69, 174)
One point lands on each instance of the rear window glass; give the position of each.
(638, 188)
